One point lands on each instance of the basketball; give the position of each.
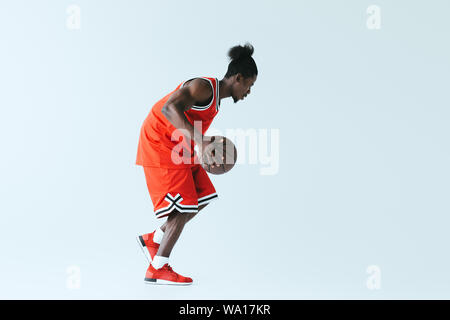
(224, 152)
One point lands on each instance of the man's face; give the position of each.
(241, 87)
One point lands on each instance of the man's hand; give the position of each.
(211, 151)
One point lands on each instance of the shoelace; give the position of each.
(169, 268)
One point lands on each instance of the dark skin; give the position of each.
(197, 92)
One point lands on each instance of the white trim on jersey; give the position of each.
(217, 97)
(200, 108)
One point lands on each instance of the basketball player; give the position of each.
(180, 189)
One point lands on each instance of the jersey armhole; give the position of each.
(200, 108)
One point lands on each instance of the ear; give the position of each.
(239, 77)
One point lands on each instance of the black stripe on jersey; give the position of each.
(207, 199)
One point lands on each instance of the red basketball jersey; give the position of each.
(160, 142)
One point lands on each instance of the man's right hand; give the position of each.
(207, 151)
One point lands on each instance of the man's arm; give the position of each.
(181, 101)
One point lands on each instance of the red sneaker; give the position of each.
(165, 275)
(149, 248)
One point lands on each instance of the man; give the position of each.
(178, 185)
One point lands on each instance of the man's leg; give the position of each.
(191, 215)
(150, 242)
(159, 270)
(173, 227)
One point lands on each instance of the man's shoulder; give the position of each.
(198, 82)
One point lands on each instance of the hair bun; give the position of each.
(239, 52)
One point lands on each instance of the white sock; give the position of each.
(157, 237)
(159, 261)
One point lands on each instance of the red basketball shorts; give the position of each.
(183, 190)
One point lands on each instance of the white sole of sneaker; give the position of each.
(144, 249)
(161, 281)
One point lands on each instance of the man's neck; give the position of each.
(224, 88)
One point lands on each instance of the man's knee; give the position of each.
(179, 218)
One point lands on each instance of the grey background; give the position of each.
(363, 120)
